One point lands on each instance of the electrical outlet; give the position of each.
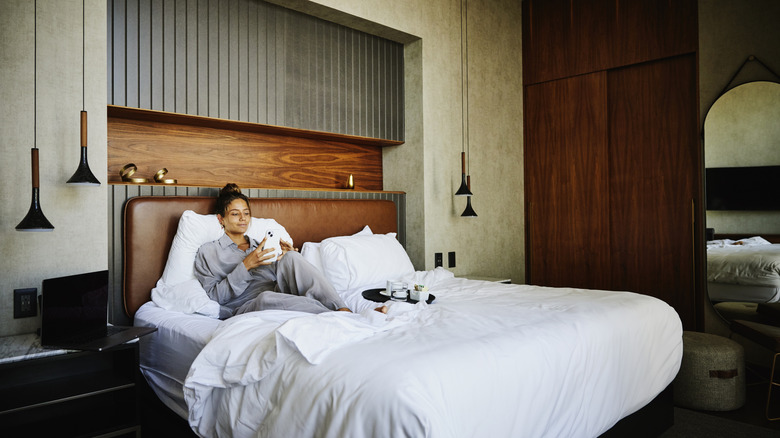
(437, 260)
(25, 302)
(451, 259)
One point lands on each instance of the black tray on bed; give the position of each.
(376, 295)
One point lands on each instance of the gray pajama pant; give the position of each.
(299, 286)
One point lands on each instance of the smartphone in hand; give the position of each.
(272, 241)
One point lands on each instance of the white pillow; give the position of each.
(310, 251)
(195, 230)
(186, 297)
(364, 261)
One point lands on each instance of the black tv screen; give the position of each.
(743, 188)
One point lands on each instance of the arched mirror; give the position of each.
(742, 141)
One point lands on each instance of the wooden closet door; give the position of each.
(652, 166)
(566, 165)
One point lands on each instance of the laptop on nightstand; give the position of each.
(74, 314)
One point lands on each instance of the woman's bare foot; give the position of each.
(382, 309)
(343, 309)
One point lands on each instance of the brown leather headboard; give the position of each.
(150, 223)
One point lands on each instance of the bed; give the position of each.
(743, 270)
(483, 359)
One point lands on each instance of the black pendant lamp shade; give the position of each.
(469, 211)
(35, 220)
(83, 175)
(464, 187)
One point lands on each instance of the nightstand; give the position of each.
(67, 393)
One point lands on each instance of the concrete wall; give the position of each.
(78, 213)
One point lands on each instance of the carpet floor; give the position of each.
(747, 421)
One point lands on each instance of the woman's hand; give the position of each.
(259, 256)
(286, 246)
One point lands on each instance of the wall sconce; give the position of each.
(83, 176)
(35, 220)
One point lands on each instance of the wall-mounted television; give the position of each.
(743, 188)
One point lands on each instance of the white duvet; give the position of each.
(751, 264)
(484, 359)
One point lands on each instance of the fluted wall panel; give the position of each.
(251, 61)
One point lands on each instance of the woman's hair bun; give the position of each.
(228, 194)
(229, 189)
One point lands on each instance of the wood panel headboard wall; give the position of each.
(204, 151)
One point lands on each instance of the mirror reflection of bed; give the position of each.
(743, 273)
(743, 248)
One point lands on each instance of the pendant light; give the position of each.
(35, 220)
(463, 190)
(83, 176)
(469, 211)
(465, 185)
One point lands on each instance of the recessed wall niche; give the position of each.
(251, 61)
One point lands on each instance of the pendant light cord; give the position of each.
(35, 76)
(466, 76)
(462, 88)
(83, 52)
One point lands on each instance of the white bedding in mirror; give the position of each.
(745, 270)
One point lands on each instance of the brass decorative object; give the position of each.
(127, 173)
(159, 177)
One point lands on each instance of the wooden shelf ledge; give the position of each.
(209, 152)
(124, 112)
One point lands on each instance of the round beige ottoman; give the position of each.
(712, 373)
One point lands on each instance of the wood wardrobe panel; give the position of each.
(644, 30)
(653, 157)
(563, 38)
(578, 30)
(612, 156)
(567, 182)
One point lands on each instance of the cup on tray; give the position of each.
(396, 290)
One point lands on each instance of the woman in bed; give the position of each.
(238, 273)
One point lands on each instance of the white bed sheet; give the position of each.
(719, 292)
(485, 359)
(167, 354)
